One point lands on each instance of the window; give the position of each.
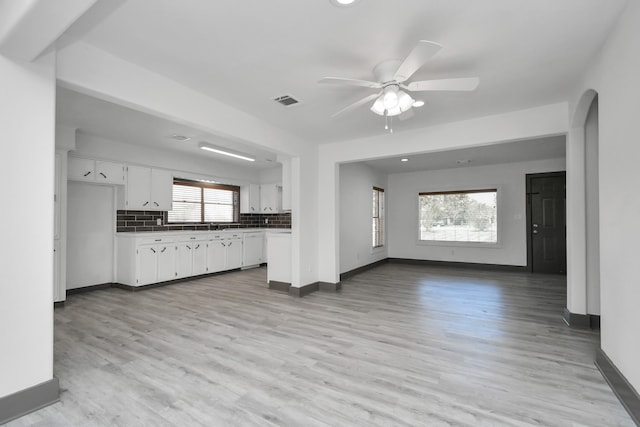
(459, 216)
(378, 217)
(199, 202)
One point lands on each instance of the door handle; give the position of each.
(535, 232)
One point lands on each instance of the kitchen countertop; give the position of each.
(199, 232)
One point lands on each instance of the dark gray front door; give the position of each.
(547, 223)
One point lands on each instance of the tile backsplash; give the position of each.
(137, 221)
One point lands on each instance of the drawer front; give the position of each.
(155, 240)
(193, 238)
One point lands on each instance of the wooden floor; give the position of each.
(398, 346)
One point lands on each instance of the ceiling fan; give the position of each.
(392, 98)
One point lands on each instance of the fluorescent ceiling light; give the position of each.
(418, 103)
(404, 160)
(180, 137)
(207, 147)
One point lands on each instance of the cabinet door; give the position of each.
(270, 198)
(109, 172)
(81, 169)
(138, 188)
(166, 262)
(184, 259)
(161, 190)
(216, 256)
(199, 258)
(234, 254)
(252, 249)
(146, 265)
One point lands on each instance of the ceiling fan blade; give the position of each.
(464, 84)
(357, 104)
(406, 115)
(350, 82)
(416, 59)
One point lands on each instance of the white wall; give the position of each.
(27, 112)
(101, 148)
(614, 75)
(509, 178)
(90, 231)
(592, 211)
(536, 122)
(356, 184)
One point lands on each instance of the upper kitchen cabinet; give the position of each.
(148, 189)
(250, 198)
(270, 198)
(91, 170)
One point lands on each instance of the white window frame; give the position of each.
(499, 218)
(381, 219)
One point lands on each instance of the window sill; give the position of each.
(497, 245)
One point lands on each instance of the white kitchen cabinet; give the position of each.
(279, 249)
(224, 252)
(184, 259)
(234, 253)
(109, 172)
(147, 264)
(148, 189)
(199, 258)
(252, 249)
(216, 255)
(82, 169)
(250, 198)
(270, 198)
(166, 263)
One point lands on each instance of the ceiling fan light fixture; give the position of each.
(378, 106)
(418, 103)
(342, 3)
(405, 101)
(391, 97)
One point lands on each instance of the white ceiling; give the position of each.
(508, 152)
(244, 53)
(108, 120)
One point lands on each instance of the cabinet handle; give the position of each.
(87, 174)
(230, 243)
(156, 203)
(222, 244)
(163, 249)
(197, 246)
(145, 203)
(188, 247)
(153, 250)
(103, 175)
(192, 238)
(158, 240)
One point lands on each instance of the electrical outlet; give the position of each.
(159, 221)
(266, 220)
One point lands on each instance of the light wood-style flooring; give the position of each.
(400, 345)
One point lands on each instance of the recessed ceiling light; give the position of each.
(207, 147)
(342, 3)
(180, 137)
(418, 103)
(404, 160)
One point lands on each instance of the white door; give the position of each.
(216, 255)
(199, 258)
(90, 234)
(166, 262)
(138, 188)
(147, 264)
(184, 259)
(234, 254)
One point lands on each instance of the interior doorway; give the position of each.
(546, 223)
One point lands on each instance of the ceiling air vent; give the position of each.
(286, 100)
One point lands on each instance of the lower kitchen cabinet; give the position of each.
(253, 249)
(153, 258)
